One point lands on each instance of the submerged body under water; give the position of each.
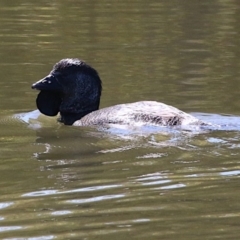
(47, 128)
(219, 122)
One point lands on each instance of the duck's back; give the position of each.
(139, 113)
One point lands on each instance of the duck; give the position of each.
(73, 89)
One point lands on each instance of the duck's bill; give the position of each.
(49, 83)
(49, 99)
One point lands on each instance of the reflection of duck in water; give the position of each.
(73, 88)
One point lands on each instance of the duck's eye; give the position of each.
(47, 81)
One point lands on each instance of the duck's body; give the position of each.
(138, 113)
(73, 88)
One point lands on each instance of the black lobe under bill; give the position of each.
(48, 102)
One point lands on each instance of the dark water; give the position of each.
(59, 182)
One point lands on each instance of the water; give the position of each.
(63, 182)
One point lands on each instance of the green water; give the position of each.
(63, 182)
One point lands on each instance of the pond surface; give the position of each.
(64, 182)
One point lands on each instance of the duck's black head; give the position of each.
(72, 88)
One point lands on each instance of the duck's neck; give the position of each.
(73, 109)
(70, 118)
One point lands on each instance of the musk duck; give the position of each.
(73, 89)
